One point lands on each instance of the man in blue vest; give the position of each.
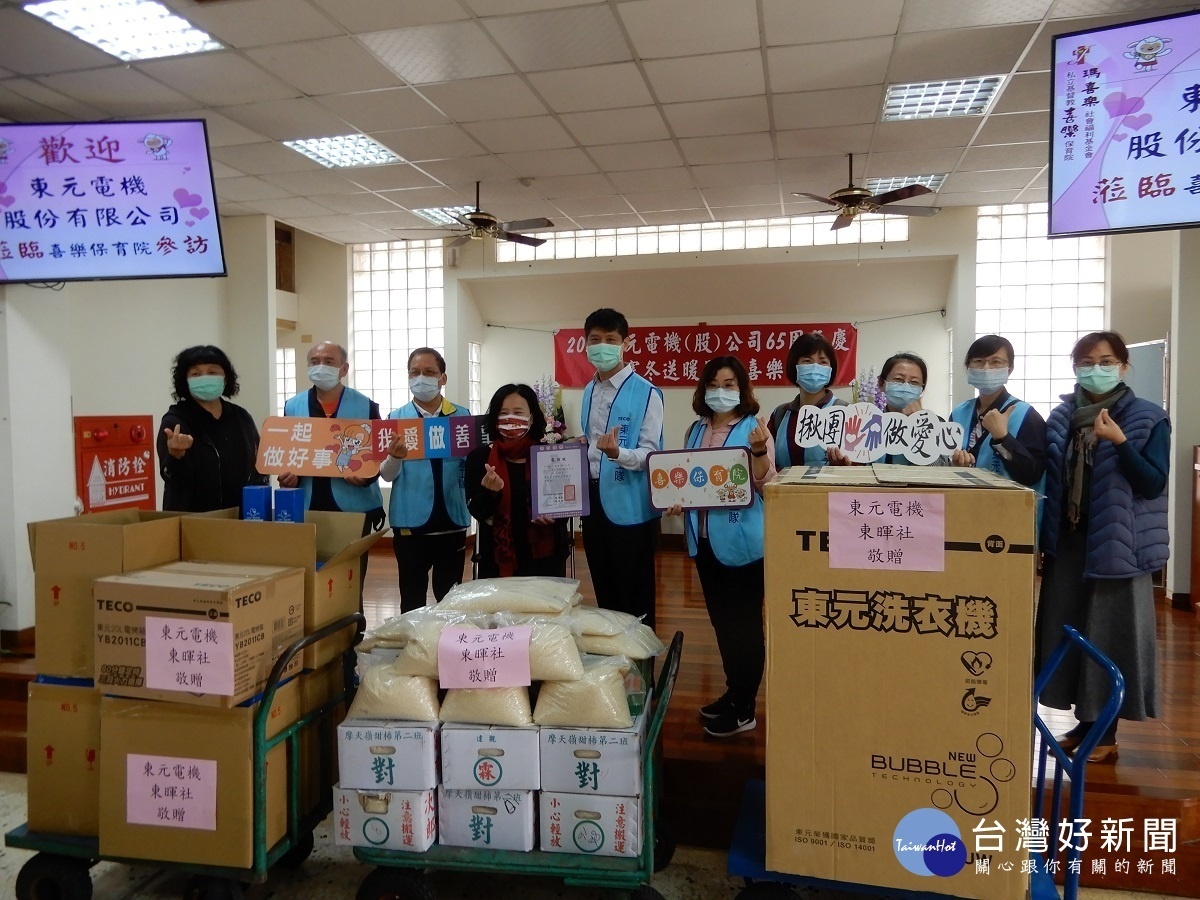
(428, 509)
(622, 422)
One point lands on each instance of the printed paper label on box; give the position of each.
(186, 655)
(484, 658)
(899, 532)
(171, 791)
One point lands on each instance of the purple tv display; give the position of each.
(88, 200)
(1125, 127)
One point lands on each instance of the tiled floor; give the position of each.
(332, 871)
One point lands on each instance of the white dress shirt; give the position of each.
(649, 438)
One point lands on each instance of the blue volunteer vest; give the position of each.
(736, 535)
(813, 456)
(349, 498)
(625, 493)
(412, 491)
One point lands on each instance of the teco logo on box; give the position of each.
(248, 599)
(807, 536)
(114, 606)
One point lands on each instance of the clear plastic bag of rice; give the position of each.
(520, 594)
(594, 620)
(487, 706)
(379, 655)
(597, 700)
(384, 694)
(553, 654)
(638, 641)
(421, 629)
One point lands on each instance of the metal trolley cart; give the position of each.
(60, 868)
(398, 875)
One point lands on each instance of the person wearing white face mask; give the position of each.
(428, 508)
(903, 379)
(1104, 532)
(1000, 432)
(811, 365)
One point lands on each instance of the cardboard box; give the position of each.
(595, 825)
(486, 820)
(899, 683)
(393, 820)
(196, 632)
(383, 755)
(331, 539)
(490, 756)
(212, 749)
(63, 759)
(593, 760)
(68, 555)
(316, 689)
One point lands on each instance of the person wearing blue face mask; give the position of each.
(902, 379)
(1000, 432)
(207, 446)
(811, 365)
(1104, 532)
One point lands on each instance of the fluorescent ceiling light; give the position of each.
(444, 215)
(345, 151)
(933, 99)
(883, 185)
(127, 29)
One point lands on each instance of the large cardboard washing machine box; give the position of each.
(899, 689)
(155, 752)
(204, 633)
(332, 541)
(63, 759)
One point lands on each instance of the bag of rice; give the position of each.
(594, 620)
(528, 594)
(553, 655)
(636, 642)
(487, 706)
(597, 700)
(420, 629)
(383, 694)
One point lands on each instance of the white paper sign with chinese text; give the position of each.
(897, 531)
(865, 433)
(703, 478)
(186, 655)
(171, 791)
(484, 658)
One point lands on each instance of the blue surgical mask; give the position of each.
(987, 381)
(1098, 379)
(605, 357)
(901, 393)
(721, 400)
(206, 387)
(813, 377)
(324, 377)
(424, 387)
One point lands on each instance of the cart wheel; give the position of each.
(395, 884)
(300, 852)
(664, 845)
(766, 890)
(213, 888)
(50, 877)
(645, 892)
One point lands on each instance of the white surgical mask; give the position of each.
(324, 377)
(721, 400)
(424, 387)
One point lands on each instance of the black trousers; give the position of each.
(416, 554)
(734, 597)
(621, 560)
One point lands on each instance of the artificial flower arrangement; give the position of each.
(866, 389)
(549, 396)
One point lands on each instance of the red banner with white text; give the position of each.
(673, 355)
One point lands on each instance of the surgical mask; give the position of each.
(324, 377)
(424, 387)
(1098, 379)
(813, 377)
(605, 357)
(206, 387)
(987, 381)
(513, 428)
(901, 393)
(721, 400)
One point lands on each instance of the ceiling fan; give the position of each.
(479, 224)
(852, 200)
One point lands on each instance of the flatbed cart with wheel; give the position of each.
(400, 875)
(61, 867)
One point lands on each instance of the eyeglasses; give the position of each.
(992, 362)
(916, 382)
(1105, 361)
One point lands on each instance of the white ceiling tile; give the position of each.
(1003, 179)
(469, 169)
(287, 120)
(357, 202)
(429, 54)
(62, 105)
(952, 131)
(288, 207)
(386, 110)
(222, 131)
(824, 141)
(361, 16)
(999, 156)
(677, 217)
(564, 186)
(425, 198)
(32, 46)
(592, 206)
(218, 79)
(6, 73)
(978, 198)
(388, 178)
(1015, 128)
(728, 148)
(245, 189)
(1024, 92)
(732, 174)
(434, 142)
(815, 67)
(318, 224)
(938, 15)
(630, 220)
(789, 22)
(122, 91)
(752, 213)
(609, 126)
(595, 87)
(743, 195)
(329, 66)
(232, 210)
(912, 162)
(817, 174)
(260, 22)
(530, 133)
(326, 181)
(934, 55)
(17, 108)
(717, 117)
(706, 77)
(561, 39)
(810, 109)
(1038, 57)
(260, 159)
(544, 163)
(661, 28)
(1070, 8)
(480, 99)
(220, 170)
(497, 191)
(660, 200)
(676, 178)
(638, 155)
(506, 7)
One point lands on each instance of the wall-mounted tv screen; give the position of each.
(88, 200)
(1125, 127)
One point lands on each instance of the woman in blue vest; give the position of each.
(1104, 532)
(811, 365)
(728, 544)
(902, 380)
(1000, 432)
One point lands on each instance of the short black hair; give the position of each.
(809, 345)
(747, 405)
(1088, 343)
(987, 345)
(200, 355)
(606, 320)
(420, 351)
(537, 418)
(904, 357)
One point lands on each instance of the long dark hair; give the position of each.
(201, 354)
(537, 418)
(747, 405)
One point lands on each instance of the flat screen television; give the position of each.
(90, 200)
(1125, 127)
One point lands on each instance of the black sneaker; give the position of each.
(717, 708)
(729, 724)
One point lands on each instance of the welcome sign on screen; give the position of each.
(89, 200)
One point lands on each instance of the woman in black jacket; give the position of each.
(207, 446)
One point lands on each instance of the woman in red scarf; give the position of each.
(510, 542)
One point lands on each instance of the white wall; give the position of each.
(1140, 270)
(323, 297)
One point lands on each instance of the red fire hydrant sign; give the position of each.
(114, 462)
